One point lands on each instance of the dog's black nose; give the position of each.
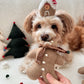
(44, 37)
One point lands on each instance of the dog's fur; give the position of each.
(76, 37)
(69, 35)
(62, 20)
(64, 23)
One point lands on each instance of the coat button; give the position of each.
(46, 55)
(43, 69)
(40, 76)
(43, 62)
(52, 41)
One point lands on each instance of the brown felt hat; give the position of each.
(47, 8)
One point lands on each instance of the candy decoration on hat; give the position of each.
(54, 1)
(47, 7)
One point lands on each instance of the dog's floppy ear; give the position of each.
(67, 21)
(28, 21)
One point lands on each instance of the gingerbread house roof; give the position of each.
(51, 2)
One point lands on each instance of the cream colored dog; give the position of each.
(44, 29)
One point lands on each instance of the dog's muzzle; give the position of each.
(44, 37)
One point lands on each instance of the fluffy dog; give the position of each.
(44, 29)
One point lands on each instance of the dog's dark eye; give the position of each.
(54, 27)
(39, 26)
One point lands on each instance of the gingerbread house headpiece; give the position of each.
(47, 8)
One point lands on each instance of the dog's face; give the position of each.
(47, 28)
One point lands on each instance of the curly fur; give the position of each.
(72, 37)
(64, 24)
